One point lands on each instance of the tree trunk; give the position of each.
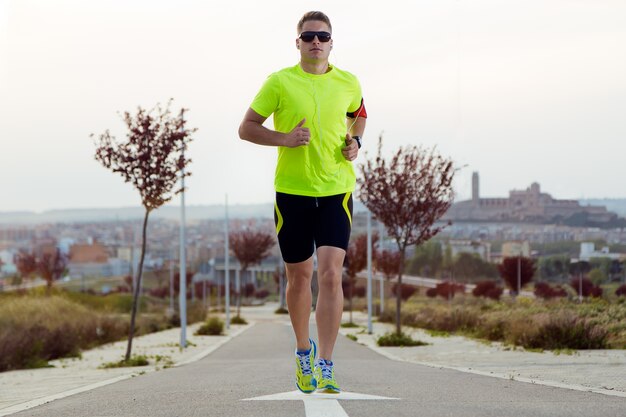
(399, 295)
(133, 313)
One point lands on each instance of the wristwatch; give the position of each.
(358, 140)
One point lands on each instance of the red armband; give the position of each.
(360, 112)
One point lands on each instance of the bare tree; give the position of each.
(408, 194)
(151, 159)
(250, 248)
(356, 258)
(51, 266)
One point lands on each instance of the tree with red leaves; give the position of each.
(448, 289)
(585, 288)
(250, 248)
(26, 264)
(152, 159)
(387, 263)
(356, 261)
(517, 268)
(487, 289)
(408, 194)
(176, 282)
(51, 266)
(546, 291)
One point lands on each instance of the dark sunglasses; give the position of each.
(309, 36)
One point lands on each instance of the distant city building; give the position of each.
(7, 267)
(89, 253)
(512, 249)
(482, 249)
(588, 251)
(529, 205)
(89, 260)
(516, 248)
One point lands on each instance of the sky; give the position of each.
(519, 91)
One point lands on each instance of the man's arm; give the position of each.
(357, 128)
(252, 130)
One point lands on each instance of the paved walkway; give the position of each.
(600, 371)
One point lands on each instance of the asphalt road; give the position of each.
(260, 362)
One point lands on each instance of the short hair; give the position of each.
(314, 16)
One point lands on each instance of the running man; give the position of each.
(319, 119)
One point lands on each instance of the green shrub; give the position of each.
(135, 360)
(238, 320)
(564, 331)
(281, 310)
(213, 327)
(395, 339)
(349, 325)
(351, 337)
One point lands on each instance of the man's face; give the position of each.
(314, 51)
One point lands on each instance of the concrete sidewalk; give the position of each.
(600, 371)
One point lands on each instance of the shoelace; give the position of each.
(327, 369)
(305, 363)
(327, 372)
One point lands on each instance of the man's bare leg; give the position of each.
(330, 298)
(299, 299)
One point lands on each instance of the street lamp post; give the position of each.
(183, 261)
(369, 272)
(226, 268)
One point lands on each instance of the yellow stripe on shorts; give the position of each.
(279, 225)
(345, 206)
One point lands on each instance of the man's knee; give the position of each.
(329, 280)
(299, 279)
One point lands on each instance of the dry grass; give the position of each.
(35, 328)
(531, 323)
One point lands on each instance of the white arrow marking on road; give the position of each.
(318, 404)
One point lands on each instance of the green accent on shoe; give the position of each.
(325, 375)
(305, 380)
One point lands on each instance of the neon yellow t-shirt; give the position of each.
(318, 169)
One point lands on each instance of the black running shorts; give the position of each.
(305, 223)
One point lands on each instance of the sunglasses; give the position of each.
(309, 36)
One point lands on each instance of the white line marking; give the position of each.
(299, 396)
(323, 408)
(318, 404)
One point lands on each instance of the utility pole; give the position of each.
(369, 272)
(381, 292)
(226, 268)
(183, 261)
